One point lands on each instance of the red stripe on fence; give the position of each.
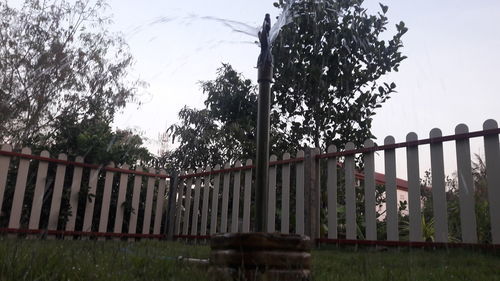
(287, 161)
(214, 172)
(320, 241)
(137, 173)
(411, 143)
(202, 174)
(80, 233)
(404, 244)
(78, 164)
(193, 237)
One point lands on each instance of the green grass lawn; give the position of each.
(156, 260)
(405, 264)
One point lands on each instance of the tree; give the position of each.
(58, 60)
(197, 135)
(328, 64)
(97, 143)
(222, 131)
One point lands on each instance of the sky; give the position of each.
(449, 77)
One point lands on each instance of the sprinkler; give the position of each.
(259, 255)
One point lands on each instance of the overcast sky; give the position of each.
(450, 76)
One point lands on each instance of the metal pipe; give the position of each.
(265, 75)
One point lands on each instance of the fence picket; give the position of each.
(492, 160)
(106, 200)
(438, 188)
(215, 202)
(196, 205)
(148, 207)
(120, 202)
(89, 208)
(179, 205)
(331, 186)
(414, 200)
(350, 194)
(160, 203)
(391, 191)
(370, 204)
(17, 201)
(136, 193)
(41, 182)
(74, 192)
(271, 204)
(247, 197)
(55, 205)
(4, 171)
(285, 195)
(235, 213)
(187, 204)
(465, 187)
(299, 195)
(225, 199)
(204, 207)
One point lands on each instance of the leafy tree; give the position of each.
(97, 143)
(197, 135)
(328, 64)
(224, 129)
(63, 76)
(58, 59)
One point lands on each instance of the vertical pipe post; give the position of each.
(265, 75)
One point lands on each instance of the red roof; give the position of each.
(380, 179)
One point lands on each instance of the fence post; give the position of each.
(170, 216)
(312, 193)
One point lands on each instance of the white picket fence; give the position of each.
(219, 199)
(31, 193)
(231, 187)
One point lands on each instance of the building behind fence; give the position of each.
(312, 193)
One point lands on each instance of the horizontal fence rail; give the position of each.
(249, 167)
(410, 143)
(78, 164)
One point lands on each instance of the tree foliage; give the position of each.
(59, 60)
(328, 64)
(224, 129)
(97, 142)
(481, 205)
(63, 76)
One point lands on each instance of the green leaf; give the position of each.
(384, 8)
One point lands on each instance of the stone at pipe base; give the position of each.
(260, 257)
